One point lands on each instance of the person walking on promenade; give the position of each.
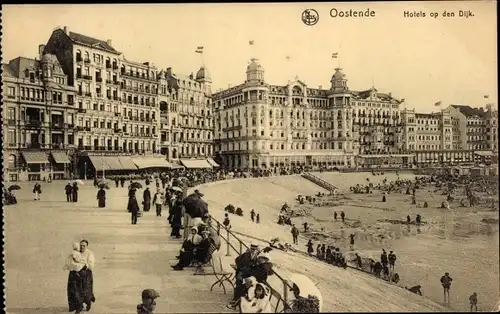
(383, 258)
(252, 215)
(335, 216)
(74, 192)
(226, 222)
(342, 216)
(101, 197)
(257, 218)
(146, 199)
(310, 247)
(37, 190)
(295, 235)
(117, 182)
(446, 283)
(148, 303)
(473, 302)
(158, 201)
(67, 189)
(305, 226)
(133, 207)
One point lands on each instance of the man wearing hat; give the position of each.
(148, 304)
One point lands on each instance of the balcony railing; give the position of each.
(88, 94)
(98, 79)
(86, 60)
(57, 125)
(87, 77)
(108, 65)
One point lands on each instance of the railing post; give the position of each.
(285, 294)
(218, 228)
(241, 247)
(228, 245)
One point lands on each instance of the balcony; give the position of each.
(79, 58)
(118, 130)
(88, 94)
(115, 83)
(117, 114)
(87, 77)
(99, 95)
(117, 98)
(33, 124)
(81, 110)
(86, 60)
(108, 65)
(11, 122)
(79, 93)
(57, 125)
(98, 79)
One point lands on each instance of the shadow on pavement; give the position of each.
(50, 309)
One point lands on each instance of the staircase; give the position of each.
(320, 182)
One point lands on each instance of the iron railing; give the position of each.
(282, 299)
(322, 183)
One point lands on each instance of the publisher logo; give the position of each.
(310, 17)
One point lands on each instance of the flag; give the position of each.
(335, 55)
(403, 100)
(486, 96)
(438, 104)
(288, 57)
(251, 42)
(199, 49)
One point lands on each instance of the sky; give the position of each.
(421, 59)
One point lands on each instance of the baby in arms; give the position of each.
(75, 260)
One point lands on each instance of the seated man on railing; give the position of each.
(205, 249)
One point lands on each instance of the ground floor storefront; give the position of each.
(37, 165)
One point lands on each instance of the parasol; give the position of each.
(195, 206)
(80, 182)
(177, 189)
(14, 187)
(135, 185)
(307, 287)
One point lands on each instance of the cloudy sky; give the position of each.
(421, 59)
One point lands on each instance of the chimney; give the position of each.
(66, 30)
(320, 87)
(109, 42)
(390, 94)
(41, 48)
(169, 71)
(191, 76)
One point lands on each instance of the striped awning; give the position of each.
(113, 163)
(151, 162)
(212, 162)
(127, 163)
(60, 157)
(99, 163)
(35, 157)
(484, 153)
(196, 163)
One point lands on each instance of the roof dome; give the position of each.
(254, 66)
(203, 74)
(48, 57)
(338, 75)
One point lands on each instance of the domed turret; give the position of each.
(203, 74)
(255, 72)
(339, 80)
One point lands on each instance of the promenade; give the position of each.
(129, 258)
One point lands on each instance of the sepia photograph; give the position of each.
(295, 157)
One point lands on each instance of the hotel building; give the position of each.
(39, 119)
(262, 125)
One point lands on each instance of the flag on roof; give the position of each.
(403, 100)
(335, 55)
(199, 49)
(438, 104)
(251, 42)
(486, 96)
(288, 57)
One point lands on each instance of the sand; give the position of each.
(466, 248)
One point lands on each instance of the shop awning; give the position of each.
(99, 163)
(35, 157)
(484, 153)
(113, 163)
(127, 163)
(196, 163)
(144, 162)
(212, 162)
(60, 157)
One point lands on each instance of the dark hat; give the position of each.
(254, 246)
(198, 192)
(150, 294)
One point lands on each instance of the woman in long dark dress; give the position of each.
(101, 197)
(176, 219)
(74, 192)
(146, 196)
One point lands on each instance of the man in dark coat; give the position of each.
(146, 197)
(295, 234)
(117, 182)
(101, 197)
(176, 219)
(67, 189)
(74, 192)
(122, 181)
(133, 207)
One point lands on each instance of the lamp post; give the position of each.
(102, 161)
(85, 173)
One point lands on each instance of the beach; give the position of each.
(454, 241)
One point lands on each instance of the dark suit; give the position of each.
(133, 207)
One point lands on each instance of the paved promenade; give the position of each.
(129, 258)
